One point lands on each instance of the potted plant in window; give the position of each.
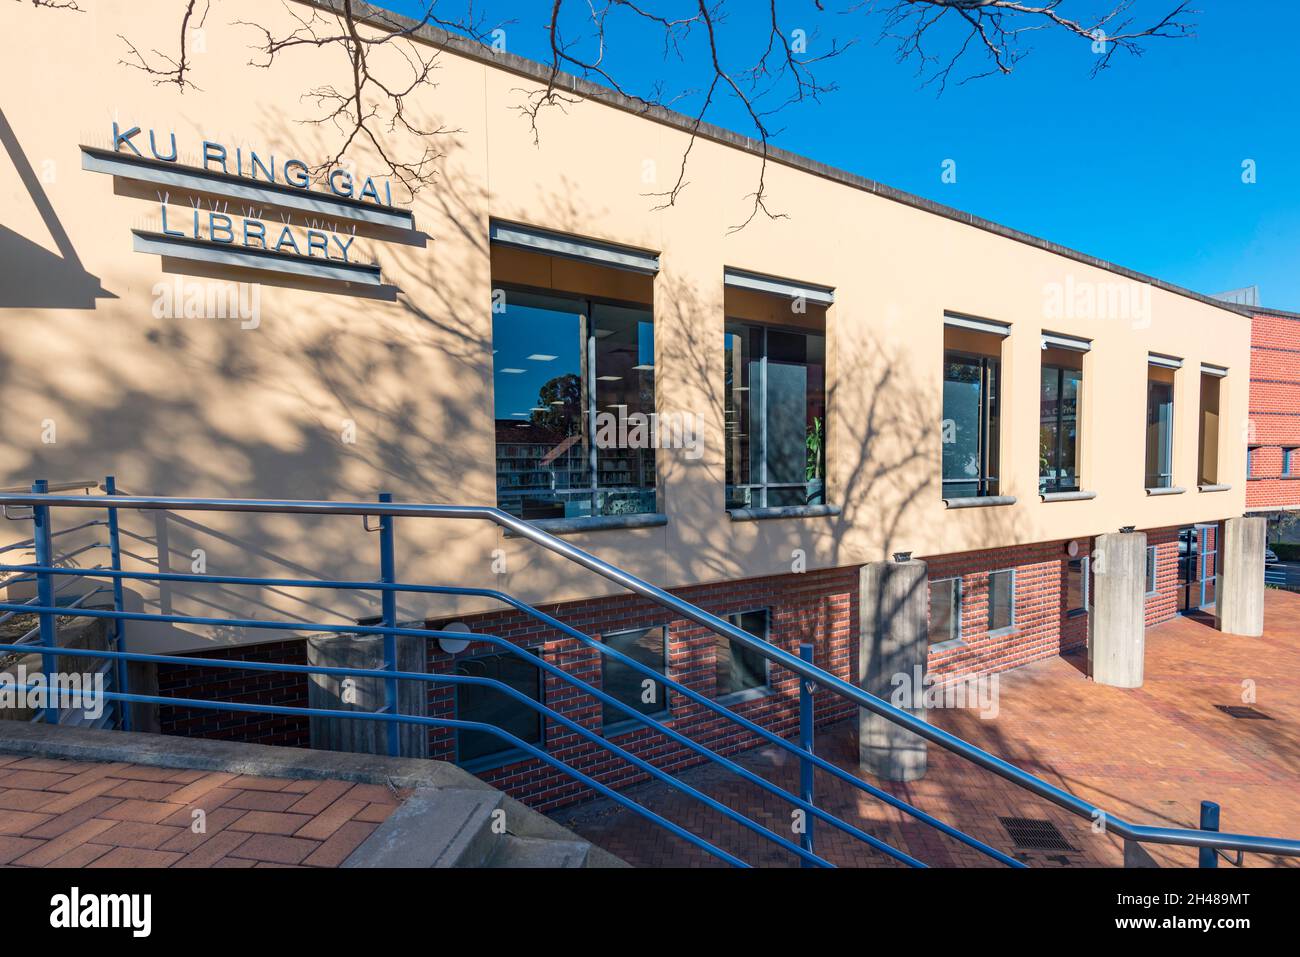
(816, 469)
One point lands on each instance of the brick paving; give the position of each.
(57, 813)
(1150, 755)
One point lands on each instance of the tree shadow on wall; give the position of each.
(31, 276)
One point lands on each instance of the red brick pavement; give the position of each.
(56, 813)
(1150, 755)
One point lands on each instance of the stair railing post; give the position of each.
(388, 605)
(119, 625)
(1209, 856)
(806, 743)
(43, 544)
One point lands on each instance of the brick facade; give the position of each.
(818, 607)
(1274, 410)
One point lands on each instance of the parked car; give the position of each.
(1270, 556)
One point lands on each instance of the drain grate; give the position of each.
(1035, 834)
(1243, 711)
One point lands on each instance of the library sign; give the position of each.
(245, 209)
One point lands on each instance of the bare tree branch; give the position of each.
(170, 69)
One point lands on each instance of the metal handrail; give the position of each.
(1069, 802)
(601, 648)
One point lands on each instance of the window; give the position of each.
(1208, 451)
(775, 416)
(490, 706)
(1058, 430)
(1250, 462)
(738, 670)
(1002, 601)
(1151, 569)
(945, 610)
(1160, 428)
(646, 647)
(971, 385)
(574, 391)
(1077, 597)
(1289, 463)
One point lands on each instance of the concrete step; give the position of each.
(435, 827)
(514, 851)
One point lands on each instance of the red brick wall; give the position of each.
(1042, 629)
(254, 687)
(817, 607)
(1274, 409)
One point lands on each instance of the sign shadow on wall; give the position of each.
(31, 275)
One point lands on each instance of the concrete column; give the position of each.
(366, 694)
(1117, 622)
(894, 641)
(1239, 604)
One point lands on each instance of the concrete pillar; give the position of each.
(1117, 622)
(894, 641)
(1239, 604)
(366, 694)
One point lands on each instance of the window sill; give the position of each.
(750, 694)
(979, 501)
(1213, 488)
(626, 726)
(501, 759)
(597, 523)
(785, 511)
(1001, 632)
(1170, 490)
(948, 645)
(1079, 495)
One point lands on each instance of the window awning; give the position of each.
(573, 247)
(1058, 340)
(990, 326)
(1209, 368)
(787, 288)
(1165, 362)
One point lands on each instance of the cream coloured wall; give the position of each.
(194, 407)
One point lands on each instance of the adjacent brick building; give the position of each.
(1273, 483)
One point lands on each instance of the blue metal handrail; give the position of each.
(602, 648)
(806, 670)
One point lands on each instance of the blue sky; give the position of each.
(1141, 165)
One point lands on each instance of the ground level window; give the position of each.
(635, 689)
(739, 670)
(1151, 569)
(494, 707)
(1002, 601)
(1076, 586)
(945, 610)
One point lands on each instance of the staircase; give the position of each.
(456, 833)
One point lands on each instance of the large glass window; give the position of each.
(737, 669)
(1002, 601)
(1058, 431)
(971, 385)
(574, 392)
(494, 707)
(1208, 452)
(945, 610)
(1160, 429)
(775, 416)
(646, 647)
